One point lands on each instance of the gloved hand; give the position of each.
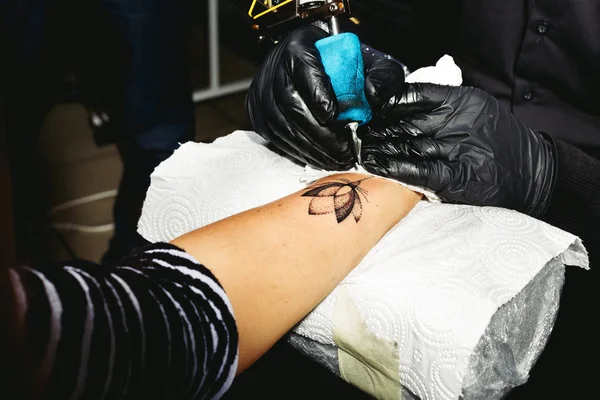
(292, 104)
(462, 144)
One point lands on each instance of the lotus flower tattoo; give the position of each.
(341, 197)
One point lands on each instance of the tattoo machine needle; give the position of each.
(342, 59)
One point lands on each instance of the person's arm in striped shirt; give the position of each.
(160, 325)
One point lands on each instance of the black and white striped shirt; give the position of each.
(158, 325)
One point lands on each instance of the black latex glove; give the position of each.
(462, 144)
(292, 104)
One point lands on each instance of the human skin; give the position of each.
(278, 261)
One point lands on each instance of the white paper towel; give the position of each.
(430, 285)
(444, 72)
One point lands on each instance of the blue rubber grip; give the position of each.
(343, 63)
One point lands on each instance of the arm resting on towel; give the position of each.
(161, 325)
(277, 262)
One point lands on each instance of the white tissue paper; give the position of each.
(430, 286)
(444, 72)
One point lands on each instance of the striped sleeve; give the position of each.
(158, 325)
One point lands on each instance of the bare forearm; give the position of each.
(278, 261)
(160, 324)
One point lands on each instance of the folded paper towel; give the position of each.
(429, 287)
(444, 72)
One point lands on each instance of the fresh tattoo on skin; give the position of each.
(341, 197)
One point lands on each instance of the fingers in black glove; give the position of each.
(403, 111)
(292, 104)
(384, 76)
(462, 144)
(412, 160)
(434, 175)
(404, 148)
(302, 63)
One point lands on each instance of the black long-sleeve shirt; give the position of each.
(156, 326)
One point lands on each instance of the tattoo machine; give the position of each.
(340, 53)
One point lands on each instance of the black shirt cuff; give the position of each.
(575, 199)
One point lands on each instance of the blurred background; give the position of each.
(83, 175)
